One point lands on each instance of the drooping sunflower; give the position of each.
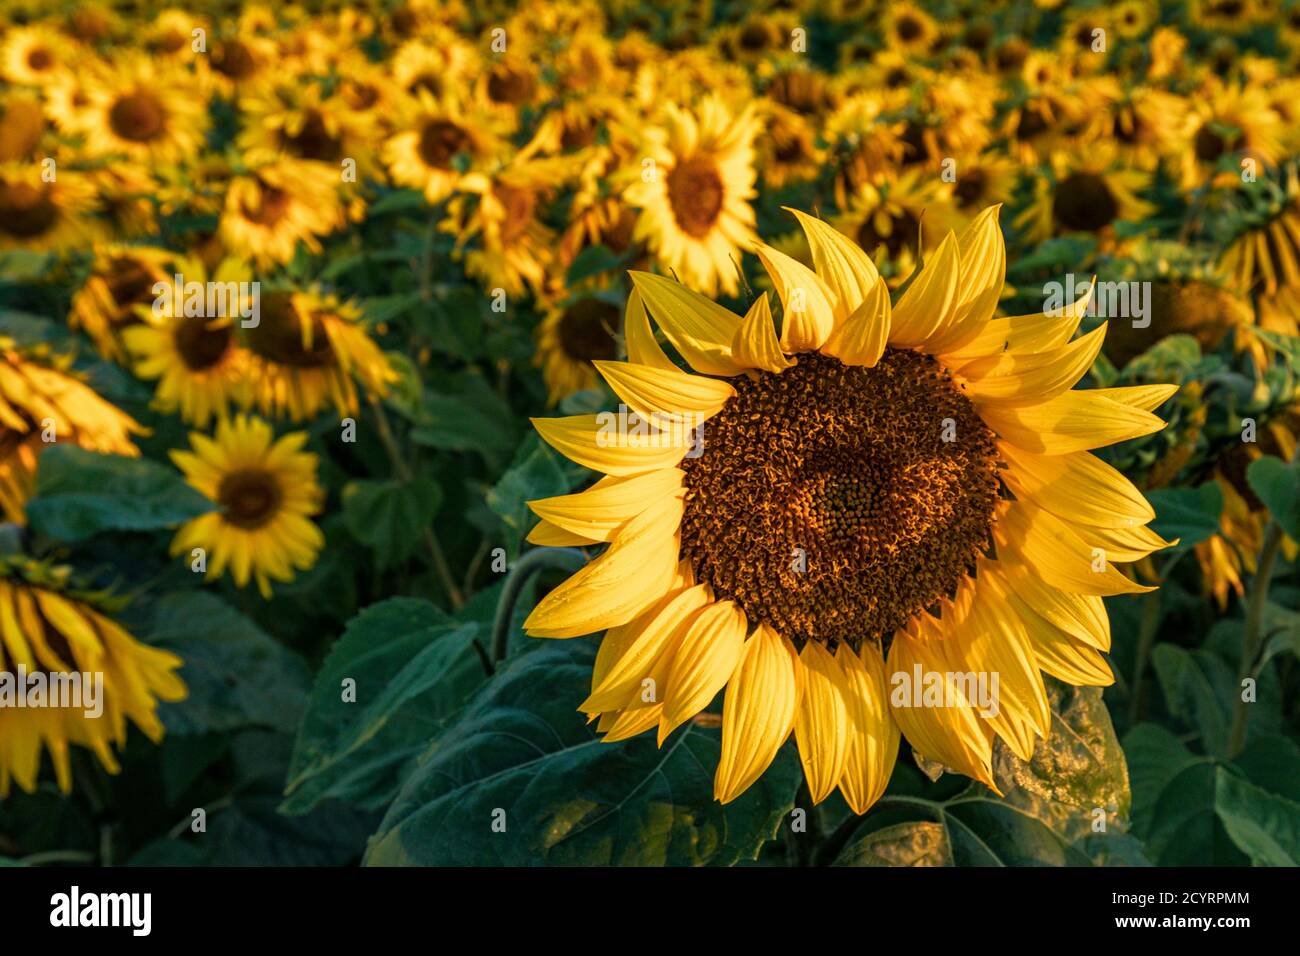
(576, 330)
(47, 629)
(41, 404)
(694, 188)
(201, 369)
(881, 494)
(265, 490)
(308, 350)
(121, 278)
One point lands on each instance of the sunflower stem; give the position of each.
(566, 559)
(403, 473)
(1256, 601)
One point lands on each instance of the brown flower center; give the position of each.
(696, 193)
(834, 502)
(970, 187)
(909, 28)
(138, 117)
(234, 60)
(440, 141)
(273, 207)
(279, 335)
(1208, 144)
(510, 85)
(201, 345)
(1083, 202)
(26, 212)
(904, 233)
(249, 498)
(314, 140)
(586, 330)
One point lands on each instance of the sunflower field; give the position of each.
(605, 432)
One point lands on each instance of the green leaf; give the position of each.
(390, 516)
(1155, 757)
(1189, 514)
(468, 416)
(918, 843)
(522, 757)
(1185, 829)
(535, 473)
(237, 676)
(1277, 484)
(1199, 688)
(591, 261)
(411, 666)
(80, 493)
(1264, 826)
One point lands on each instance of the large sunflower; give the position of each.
(694, 199)
(266, 492)
(47, 630)
(882, 492)
(145, 112)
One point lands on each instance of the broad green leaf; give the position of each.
(1155, 757)
(80, 493)
(408, 666)
(1198, 688)
(391, 516)
(467, 416)
(1189, 514)
(1264, 826)
(1185, 830)
(919, 843)
(1273, 762)
(536, 472)
(520, 756)
(1277, 484)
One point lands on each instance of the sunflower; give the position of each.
(439, 144)
(121, 278)
(143, 111)
(48, 630)
(908, 29)
(891, 215)
(828, 543)
(790, 149)
(200, 367)
(983, 179)
(694, 189)
(309, 349)
(575, 331)
(40, 404)
(45, 213)
(1227, 121)
(1133, 18)
(1086, 194)
(437, 69)
(1222, 16)
(1142, 122)
(265, 490)
(299, 121)
(269, 210)
(35, 55)
(22, 121)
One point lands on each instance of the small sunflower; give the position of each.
(200, 367)
(1086, 194)
(889, 216)
(575, 331)
(41, 212)
(34, 55)
(908, 29)
(41, 404)
(439, 144)
(870, 548)
(47, 629)
(269, 210)
(265, 490)
(143, 111)
(310, 350)
(694, 189)
(121, 278)
(1227, 121)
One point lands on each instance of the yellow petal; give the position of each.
(699, 328)
(1057, 553)
(808, 314)
(1078, 487)
(1073, 421)
(1145, 397)
(1123, 544)
(1082, 616)
(641, 345)
(757, 713)
(873, 735)
(756, 344)
(928, 304)
(606, 506)
(634, 572)
(846, 269)
(1031, 379)
(983, 257)
(821, 726)
(861, 338)
(665, 397)
(614, 444)
(704, 661)
(547, 535)
(1057, 653)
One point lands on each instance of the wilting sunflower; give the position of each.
(145, 111)
(48, 630)
(42, 404)
(575, 331)
(265, 490)
(44, 213)
(121, 278)
(882, 488)
(308, 350)
(693, 189)
(269, 211)
(200, 367)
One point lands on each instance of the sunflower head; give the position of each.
(882, 488)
